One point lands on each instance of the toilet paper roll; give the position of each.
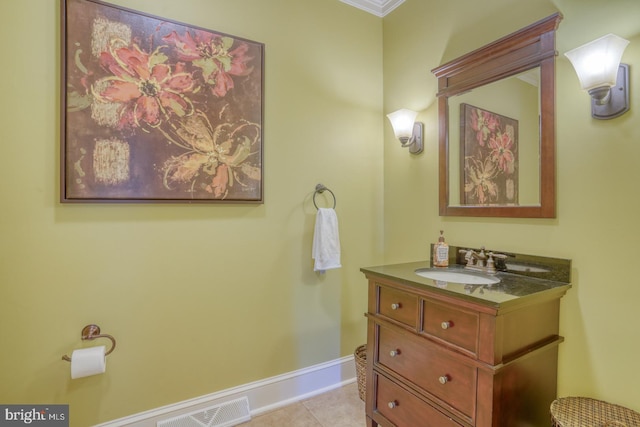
(88, 361)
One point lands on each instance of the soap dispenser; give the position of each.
(441, 252)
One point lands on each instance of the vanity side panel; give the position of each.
(526, 389)
(520, 392)
(508, 335)
(529, 327)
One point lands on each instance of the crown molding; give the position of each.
(377, 7)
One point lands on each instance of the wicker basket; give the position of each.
(360, 356)
(583, 411)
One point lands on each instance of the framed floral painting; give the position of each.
(489, 158)
(157, 111)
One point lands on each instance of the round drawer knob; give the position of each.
(444, 379)
(395, 306)
(394, 353)
(392, 404)
(446, 325)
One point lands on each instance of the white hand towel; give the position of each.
(326, 241)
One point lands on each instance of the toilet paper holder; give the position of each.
(91, 332)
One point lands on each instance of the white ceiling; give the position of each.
(377, 7)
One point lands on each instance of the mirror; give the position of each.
(496, 113)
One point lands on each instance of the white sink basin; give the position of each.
(457, 277)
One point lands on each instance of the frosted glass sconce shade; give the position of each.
(598, 67)
(402, 122)
(596, 62)
(406, 129)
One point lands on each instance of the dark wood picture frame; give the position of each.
(489, 158)
(154, 110)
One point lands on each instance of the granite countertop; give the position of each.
(513, 288)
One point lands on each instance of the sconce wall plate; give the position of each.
(619, 98)
(417, 145)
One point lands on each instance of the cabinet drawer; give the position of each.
(456, 326)
(397, 305)
(430, 367)
(404, 409)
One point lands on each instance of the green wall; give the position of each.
(203, 298)
(200, 298)
(597, 164)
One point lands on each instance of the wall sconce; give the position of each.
(600, 73)
(407, 130)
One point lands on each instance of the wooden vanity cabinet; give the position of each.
(436, 359)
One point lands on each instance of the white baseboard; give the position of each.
(264, 395)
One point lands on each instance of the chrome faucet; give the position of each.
(481, 261)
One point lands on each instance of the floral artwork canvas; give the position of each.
(157, 111)
(490, 157)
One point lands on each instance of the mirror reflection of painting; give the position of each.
(490, 157)
(513, 76)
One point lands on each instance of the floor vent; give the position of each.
(226, 414)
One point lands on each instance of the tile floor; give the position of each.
(337, 408)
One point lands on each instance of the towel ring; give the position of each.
(321, 189)
(91, 332)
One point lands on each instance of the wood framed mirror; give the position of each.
(496, 119)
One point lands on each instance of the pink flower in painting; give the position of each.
(484, 123)
(145, 86)
(211, 53)
(219, 182)
(500, 144)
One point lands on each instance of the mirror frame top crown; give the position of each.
(530, 47)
